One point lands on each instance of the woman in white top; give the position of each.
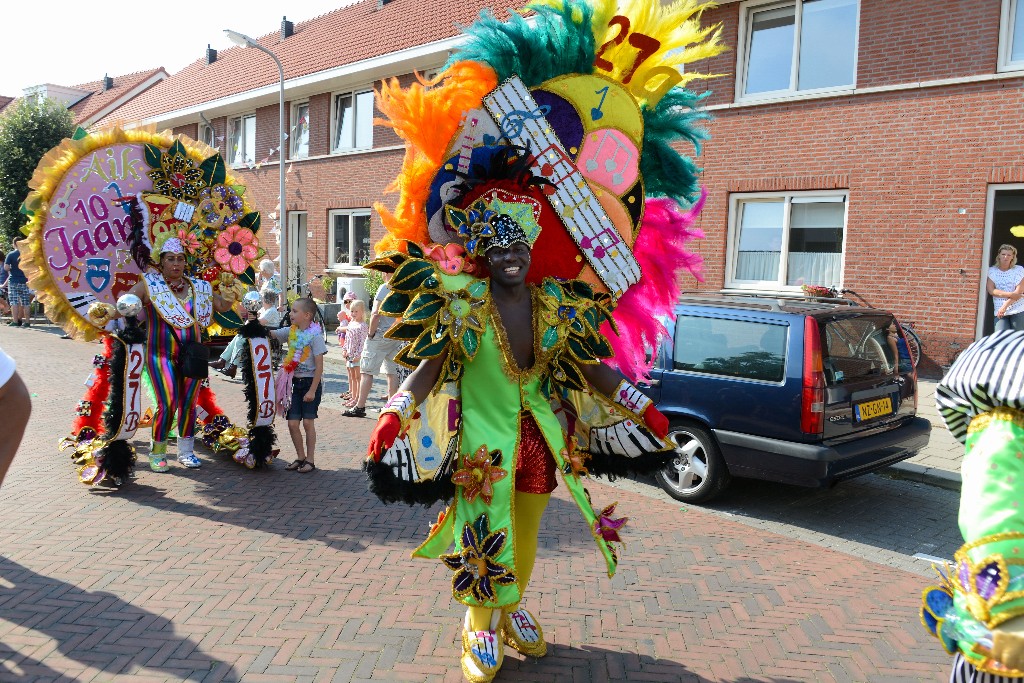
(1006, 285)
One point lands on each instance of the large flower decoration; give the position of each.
(189, 241)
(607, 527)
(478, 475)
(474, 224)
(177, 176)
(236, 248)
(460, 311)
(219, 206)
(476, 570)
(450, 258)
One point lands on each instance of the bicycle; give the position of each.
(914, 346)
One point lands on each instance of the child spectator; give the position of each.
(355, 339)
(305, 358)
(344, 318)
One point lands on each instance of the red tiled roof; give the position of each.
(4, 101)
(100, 98)
(349, 34)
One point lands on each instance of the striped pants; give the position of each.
(176, 395)
(964, 672)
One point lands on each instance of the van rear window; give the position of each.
(735, 348)
(857, 348)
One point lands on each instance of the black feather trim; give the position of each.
(113, 413)
(132, 334)
(248, 380)
(614, 466)
(136, 239)
(382, 482)
(261, 444)
(118, 458)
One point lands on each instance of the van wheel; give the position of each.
(697, 473)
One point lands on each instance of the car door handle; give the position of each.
(648, 385)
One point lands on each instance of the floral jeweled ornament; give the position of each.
(478, 475)
(607, 527)
(177, 177)
(236, 247)
(219, 206)
(476, 570)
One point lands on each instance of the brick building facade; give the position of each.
(864, 144)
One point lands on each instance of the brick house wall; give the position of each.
(912, 159)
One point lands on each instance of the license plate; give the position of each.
(869, 410)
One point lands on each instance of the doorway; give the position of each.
(1006, 209)
(297, 248)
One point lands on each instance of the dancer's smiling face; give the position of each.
(509, 265)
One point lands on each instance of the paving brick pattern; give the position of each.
(222, 574)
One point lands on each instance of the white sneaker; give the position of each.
(186, 456)
(482, 651)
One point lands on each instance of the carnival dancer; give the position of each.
(978, 611)
(536, 246)
(177, 308)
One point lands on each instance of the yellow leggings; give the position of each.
(529, 508)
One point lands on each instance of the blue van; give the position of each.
(790, 390)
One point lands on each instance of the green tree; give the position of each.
(28, 130)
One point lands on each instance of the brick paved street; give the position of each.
(226, 574)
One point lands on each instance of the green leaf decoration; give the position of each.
(214, 171)
(239, 190)
(592, 317)
(579, 349)
(598, 346)
(405, 331)
(229, 320)
(470, 342)
(79, 133)
(428, 347)
(25, 210)
(477, 288)
(456, 217)
(178, 148)
(549, 339)
(411, 275)
(415, 250)
(551, 288)
(581, 289)
(573, 377)
(424, 307)
(395, 303)
(251, 221)
(153, 156)
(249, 276)
(404, 356)
(388, 263)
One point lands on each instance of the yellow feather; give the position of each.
(674, 25)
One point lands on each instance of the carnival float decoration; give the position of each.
(101, 204)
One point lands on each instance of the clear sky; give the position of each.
(65, 42)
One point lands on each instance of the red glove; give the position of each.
(655, 421)
(384, 435)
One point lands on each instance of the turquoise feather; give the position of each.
(666, 172)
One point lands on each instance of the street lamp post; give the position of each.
(282, 214)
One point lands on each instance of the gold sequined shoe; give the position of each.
(482, 651)
(521, 632)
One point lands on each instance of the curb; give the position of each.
(926, 475)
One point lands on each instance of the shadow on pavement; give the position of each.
(97, 629)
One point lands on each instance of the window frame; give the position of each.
(203, 127)
(229, 151)
(332, 214)
(335, 97)
(747, 10)
(293, 139)
(1007, 16)
(733, 235)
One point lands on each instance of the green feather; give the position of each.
(666, 172)
(555, 46)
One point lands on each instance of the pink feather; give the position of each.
(660, 251)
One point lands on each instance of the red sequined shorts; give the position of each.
(535, 466)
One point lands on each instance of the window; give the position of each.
(206, 135)
(784, 241)
(353, 121)
(299, 134)
(350, 238)
(1011, 36)
(798, 46)
(734, 348)
(242, 140)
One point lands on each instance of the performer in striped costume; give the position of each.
(978, 611)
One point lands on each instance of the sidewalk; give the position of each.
(939, 463)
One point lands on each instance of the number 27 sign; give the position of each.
(262, 371)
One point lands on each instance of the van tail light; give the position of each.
(913, 368)
(812, 399)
